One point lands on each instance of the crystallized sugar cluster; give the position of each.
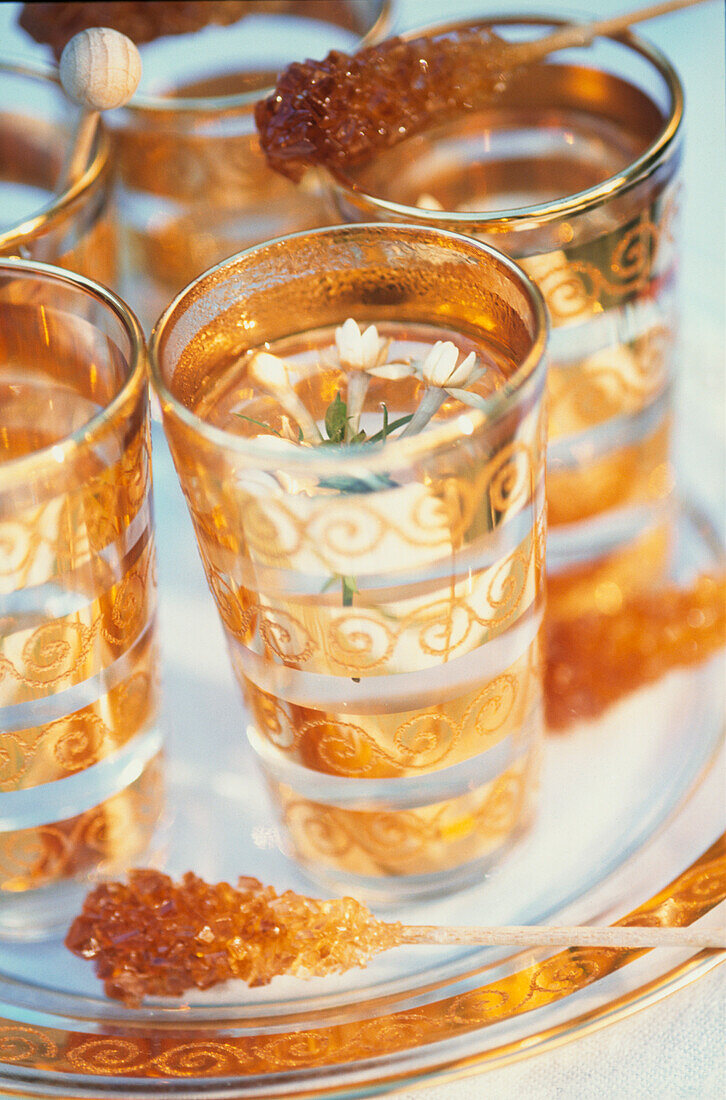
(594, 660)
(141, 20)
(339, 111)
(155, 937)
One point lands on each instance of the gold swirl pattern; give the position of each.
(361, 534)
(78, 574)
(424, 840)
(405, 635)
(582, 280)
(65, 532)
(633, 266)
(64, 651)
(172, 1054)
(112, 833)
(67, 745)
(404, 743)
(25, 1044)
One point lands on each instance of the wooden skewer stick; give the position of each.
(99, 69)
(582, 34)
(617, 936)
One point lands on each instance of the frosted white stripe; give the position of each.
(396, 691)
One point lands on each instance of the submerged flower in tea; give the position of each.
(363, 355)
(359, 350)
(440, 368)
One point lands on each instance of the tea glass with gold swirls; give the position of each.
(41, 216)
(573, 171)
(193, 186)
(79, 742)
(382, 603)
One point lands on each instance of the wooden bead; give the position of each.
(100, 68)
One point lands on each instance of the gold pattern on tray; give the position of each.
(171, 1054)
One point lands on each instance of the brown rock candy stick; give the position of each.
(155, 937)
(342, 110)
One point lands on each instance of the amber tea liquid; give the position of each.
(79, 741)
(382, 630)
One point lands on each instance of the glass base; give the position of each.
(388, 893)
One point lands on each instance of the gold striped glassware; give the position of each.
(382, 604)
(193, 185)
(574, 173)
(80, 746)
(41, 217)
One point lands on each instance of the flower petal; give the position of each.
(349, 342)
(269, 371)
(474, 400)
(462, 375)
(440, 363)
(392, 371)
(370, 344)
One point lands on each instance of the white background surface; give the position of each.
(674, 1050)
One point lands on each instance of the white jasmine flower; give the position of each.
(364, 356)
(444, 377)
(269, 371)
(391, 371)
(358, 350)
(439, 367)
(271, 374)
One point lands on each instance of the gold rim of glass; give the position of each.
(395, 450)
(170, 104)
(58, 452)
(38, 223)
(520, 217)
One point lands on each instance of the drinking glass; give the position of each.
(573, 171)
(193, 185)
(41, 217)
(382, 603)
(79, 743)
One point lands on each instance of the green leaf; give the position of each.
(388, 429)
(259, 423)
(335, 419)
(349, 589)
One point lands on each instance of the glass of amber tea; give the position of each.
(193, 186)
(79, 742)
(41, 216)
(382, 596)
(573, 171)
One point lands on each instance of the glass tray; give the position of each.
(631, 818)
